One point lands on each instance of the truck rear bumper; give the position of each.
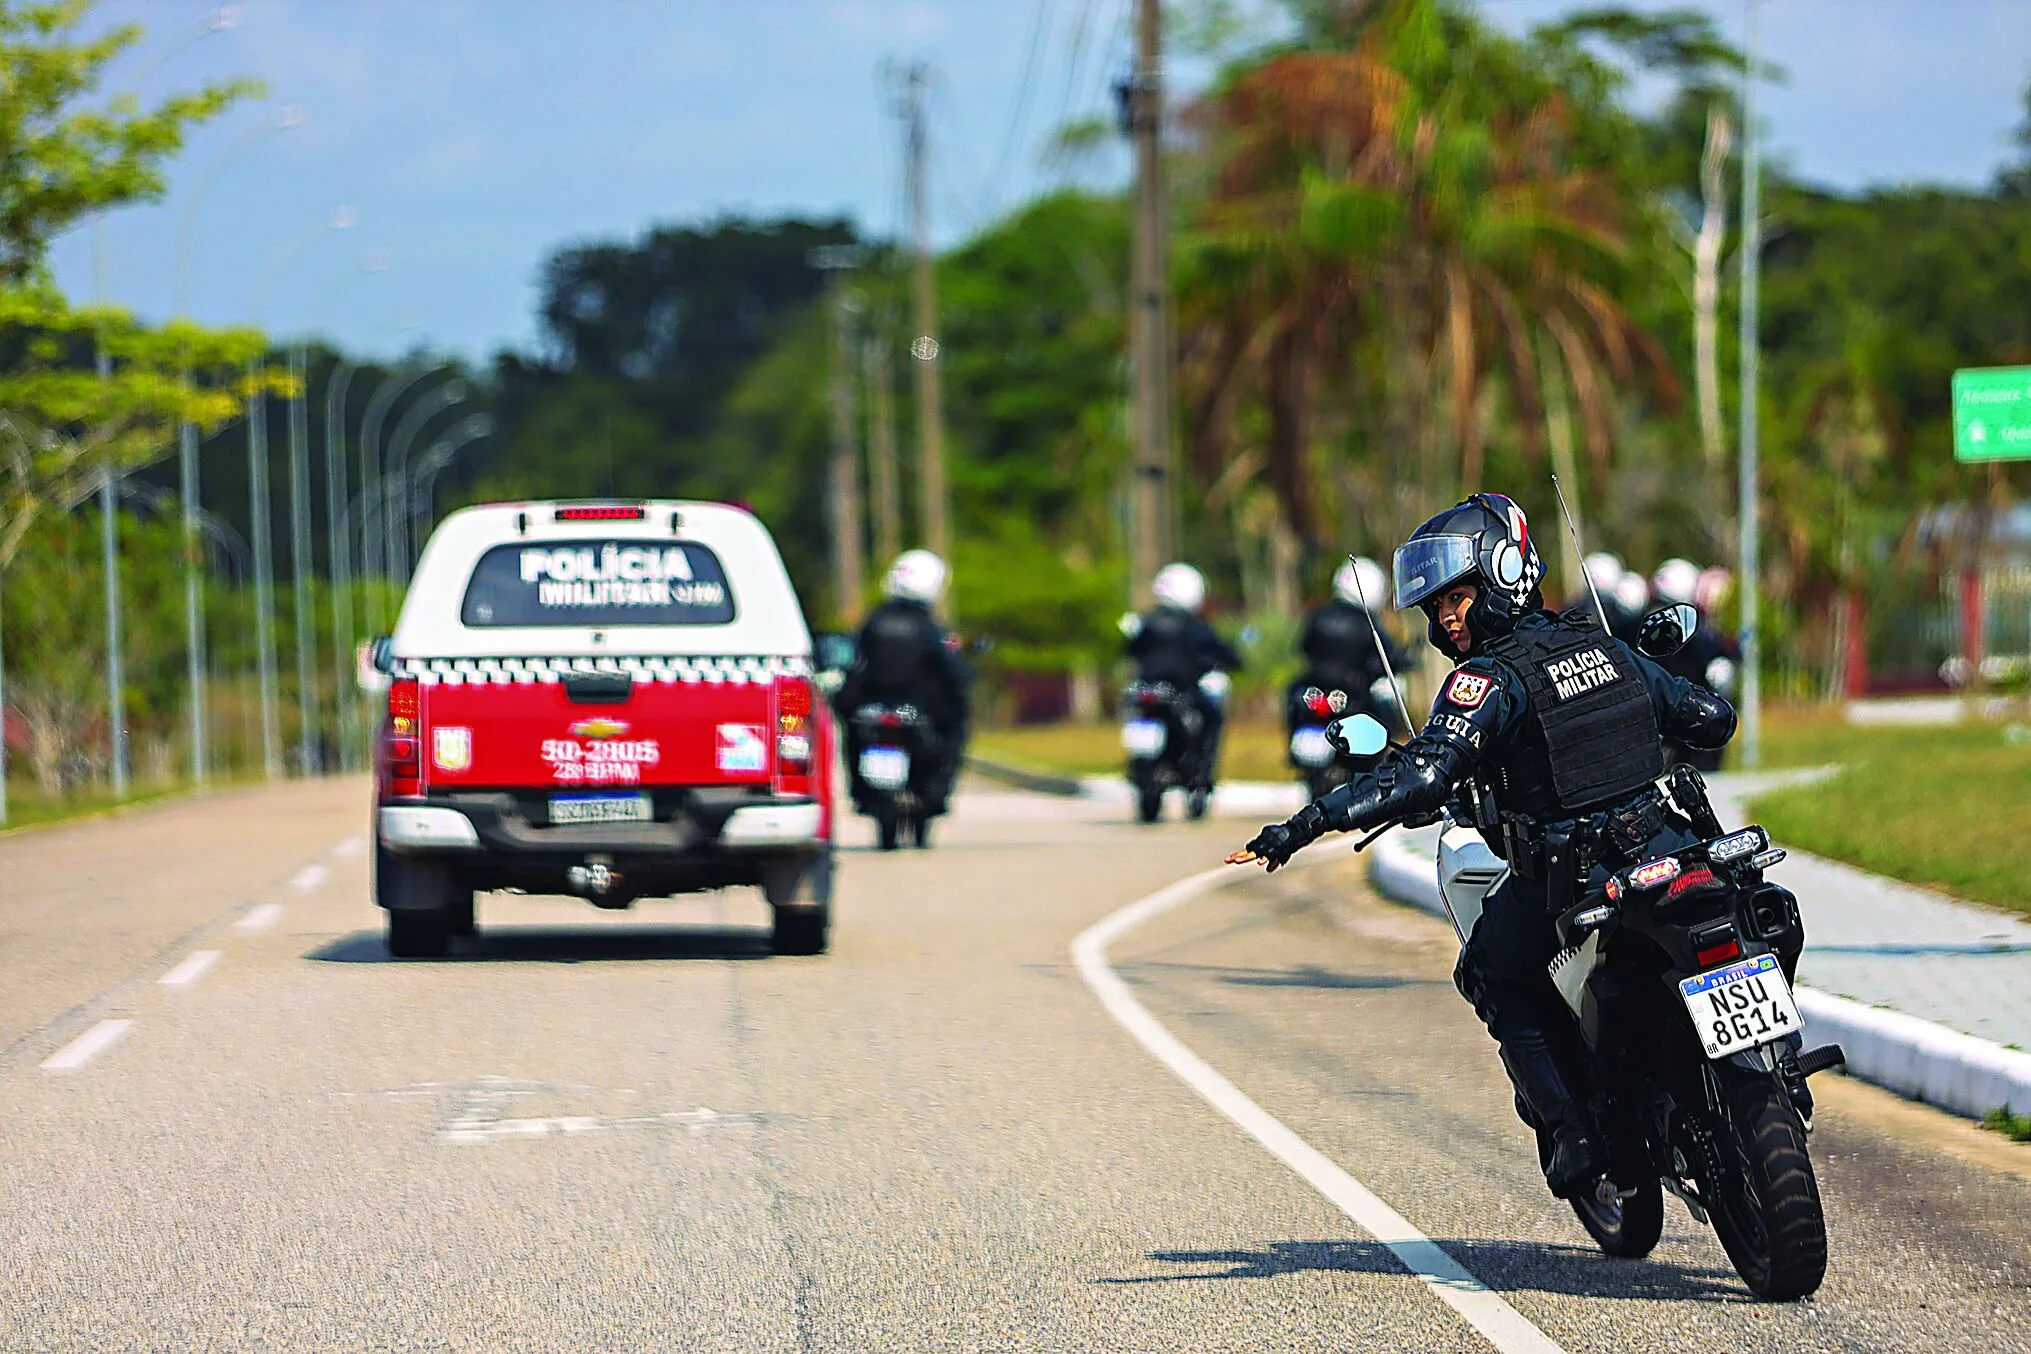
(491, 825)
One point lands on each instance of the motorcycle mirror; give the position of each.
(1666, 630)
(384, 654)
(1357, 736)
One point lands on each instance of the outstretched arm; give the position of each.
(1478, 707)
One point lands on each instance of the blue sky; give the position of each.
(472, 137)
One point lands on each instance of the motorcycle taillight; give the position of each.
(1150, 700)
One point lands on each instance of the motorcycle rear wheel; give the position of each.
(1767, 1209)
(888, 826)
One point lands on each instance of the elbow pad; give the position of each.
(1416, 781)
(1701, 720)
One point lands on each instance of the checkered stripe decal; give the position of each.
(662, 669)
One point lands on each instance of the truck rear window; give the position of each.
(598, 583)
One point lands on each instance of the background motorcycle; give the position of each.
(894, 752)
(1163, 731)
(1312, 709)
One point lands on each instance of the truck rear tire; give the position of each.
(800, 897)
(418, 934)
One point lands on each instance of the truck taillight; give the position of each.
(402, 741)
(793, 726)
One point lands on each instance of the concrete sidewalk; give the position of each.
(1929, 996)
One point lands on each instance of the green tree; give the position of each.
(63, 158)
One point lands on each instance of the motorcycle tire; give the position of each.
(1149, 802)
(920, 833)
(1766, 1207)
(888, 827)
(1195, 804)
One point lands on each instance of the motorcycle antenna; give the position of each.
(1382, 651)
(1573, 529)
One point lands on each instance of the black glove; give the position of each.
(1278, 842)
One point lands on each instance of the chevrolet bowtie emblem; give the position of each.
(598, 728)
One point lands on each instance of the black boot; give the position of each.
(1576, 1162)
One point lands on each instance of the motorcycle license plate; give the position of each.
(1143, 737)
(599, 808)
(1310, 748)
(1740, 1007)
(885, 768)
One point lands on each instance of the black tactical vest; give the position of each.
(1593, 739)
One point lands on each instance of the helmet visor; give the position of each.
(1429, 563)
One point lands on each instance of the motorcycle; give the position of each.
(894, 741)
(1162, 728)
(1313, 708)
(1686, 1036)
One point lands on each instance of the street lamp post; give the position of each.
(372, 551)
(424, 502)
(187, 449)
(396, 532)
(1752, 248)
(218, 21)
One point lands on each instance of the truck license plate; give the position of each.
(1741, 1006)
(599, 808)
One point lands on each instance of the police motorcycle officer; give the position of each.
(1707, 658)
(1548, 738)
(1172, 643)
(1340, 639)
(903, 656)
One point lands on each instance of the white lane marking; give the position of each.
(190, 970)
(310, 877)
(87, 1046)
(1502, 1325)
(261, 918)
(348, 848)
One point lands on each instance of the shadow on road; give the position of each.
(1504, 1266)
(1303, 975)
(559, 945)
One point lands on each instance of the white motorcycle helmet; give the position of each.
(1361, 582)
(916, 576)
(1604, 571)
(1632, 594)
(1676, 580)
(1181, 586)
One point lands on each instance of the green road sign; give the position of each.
(1992, 414)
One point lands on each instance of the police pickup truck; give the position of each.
(608, 700)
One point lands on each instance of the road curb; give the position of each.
(1915, 1058)
(1034, 781)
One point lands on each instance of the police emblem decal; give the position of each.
(1468, 689)
(451, 748)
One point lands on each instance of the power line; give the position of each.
(1039, 25)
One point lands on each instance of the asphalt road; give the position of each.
(592, 1131)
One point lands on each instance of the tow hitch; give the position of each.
(593, 880)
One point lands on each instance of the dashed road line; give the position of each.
(309, 877)
(348, 848)
(87, 1046)
(1499, 1323)
(190, 970)
(260, 918)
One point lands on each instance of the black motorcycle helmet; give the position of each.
(1484, 540)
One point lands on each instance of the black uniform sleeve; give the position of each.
(1215, 653)
(1687, 714)
(1478, 711)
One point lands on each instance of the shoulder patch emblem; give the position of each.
(1468, 689)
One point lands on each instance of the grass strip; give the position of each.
(2016, 1127)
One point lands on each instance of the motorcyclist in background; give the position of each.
(1605, 572)
(1339, 647)
(1555, 733)
(905, 657)
(1707, 659)
(1171, 642)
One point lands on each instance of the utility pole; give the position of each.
(881, 448)
(934, 497)
(1151, 503)
(109, 554)
(849, 567)
(338, 546)
(193, 600)
(1752, 250)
